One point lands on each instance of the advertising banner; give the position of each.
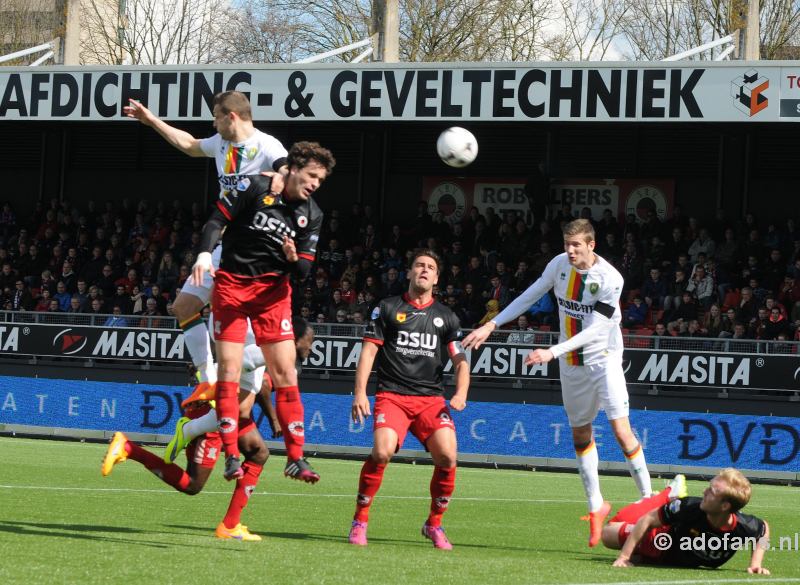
(458, 92)
(522, 430)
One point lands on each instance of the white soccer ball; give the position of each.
(457, 147)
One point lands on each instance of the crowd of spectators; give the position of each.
(684, 276)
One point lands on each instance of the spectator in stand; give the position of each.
(476, 273)
(683, 314)
(168, 272)
(74, 305)
(122, 300)
(106, 281)
(21, 298)
(95, 294)
(452, 303)
(357, 317)
(116, 319)
(150, 316)
(497, 291)
(675, 290)
(340, 318)
(748, 306)
(522, 278)
(492, 309)
(631, 267)
(393, 286)
(729, 253)
(789, 293)
(160, 298)
(703, 244)
(701, 286)
(776, 325)
(371, 284)
(771, 302)
(636, 313)
(713, 321)
(774, 271)
(62, 296)
(759, 292)
(654, 290)
(43, 301)
(348, 293)
(523, 332)
(660, 330)
(728, 321)
(8, 277)
(335, 305)
(130, 279)
(759, 326)
(137, 301)
(55, 306)
(693, 329)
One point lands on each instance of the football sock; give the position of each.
(638, 468)
(245, 486)
(588, 462)
(198, 344)
(169, 473)
(443, 482)
(289, 409)
(252, 358)
(200, 426)
(228, 416)
(369, 482)
(632, 512)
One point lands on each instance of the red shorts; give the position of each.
(646, 548)
(267, 301)
(423, 415)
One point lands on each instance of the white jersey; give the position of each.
(256, 154)
(588, 302)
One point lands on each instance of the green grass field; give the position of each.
(61, 522)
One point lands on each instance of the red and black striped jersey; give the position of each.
(256, 222)
(415, 341)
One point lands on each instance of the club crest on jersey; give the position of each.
(594, 287)
(242, 184)
(563, 276)
(286, 325)
(251, 152)
(302, 221)
(401, 317)
(438, 321)
(268, 200)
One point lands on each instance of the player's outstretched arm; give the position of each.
(361, 408)
(479, 335)
(180, 139)
(461, 366)
(642, 526)
(757, 556)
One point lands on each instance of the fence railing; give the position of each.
(88, 319)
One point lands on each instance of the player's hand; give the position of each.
(289, 249)
(758, 570)
(276, 182)
(458, 403)
(275, 425)
(360, 410)
(202, 265)
(478, 336)
(136, 110)
(621, 562)
(538, 356)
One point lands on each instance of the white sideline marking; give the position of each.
(288, 494)
(753, 579)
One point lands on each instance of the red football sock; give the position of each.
(228, 415)
(169, 473)
(245, 487)
(632, 512)
(290, 414)
(369, 482)
(443, 483)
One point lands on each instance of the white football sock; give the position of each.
(638, 468)
(588, 463)
(253, 357)
(200, 426)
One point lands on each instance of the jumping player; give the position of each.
(411, 335)
(187, 429)
(690, 532)
(267, 237)
(588, 290)
(238, 149)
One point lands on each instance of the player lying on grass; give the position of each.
(187, 429)
(201, 455)
(675, 530)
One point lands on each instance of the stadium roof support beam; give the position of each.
(339, 51)
(700, 49)
(42, 59)
(723, 55)
(30, 51)
(361, 56)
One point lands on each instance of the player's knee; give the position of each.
(229, 370)
(260, 456)
(381, 456)
(193, 489)
(446, 460)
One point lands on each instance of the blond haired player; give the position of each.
(587, 289)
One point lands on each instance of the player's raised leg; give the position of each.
(229, 356)
(588, 464)
(187, 307)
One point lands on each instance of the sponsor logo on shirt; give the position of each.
(243, 184)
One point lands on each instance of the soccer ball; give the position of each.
(457, 147)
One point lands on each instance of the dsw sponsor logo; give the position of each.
(417, 340)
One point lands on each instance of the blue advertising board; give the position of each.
(521, 430)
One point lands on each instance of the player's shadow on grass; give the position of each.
(84, 532)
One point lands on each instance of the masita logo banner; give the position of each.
(615, 92)
(521, 430)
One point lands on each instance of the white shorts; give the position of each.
(251, 380)
(586, 389)
(203, 291)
